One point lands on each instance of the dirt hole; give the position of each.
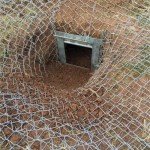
(78, 55)
(64, 76)
(69, 76)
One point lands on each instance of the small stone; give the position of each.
(32, 134)
(36, 145)
(7, 131)
(45, 135)
(86, 137)
(15, 138)
(74, 107)
(100, 114)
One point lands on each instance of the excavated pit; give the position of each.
(65, 76)
(74, 73)
(111, 112)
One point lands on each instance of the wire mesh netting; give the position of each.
(45, 104)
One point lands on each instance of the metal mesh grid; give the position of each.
(109, 111)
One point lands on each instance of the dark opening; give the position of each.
(78, 55)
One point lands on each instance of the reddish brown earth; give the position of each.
(56, 83)
(63, 76)
(72, 105)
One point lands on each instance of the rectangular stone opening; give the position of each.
(78, 55)
(78, 50)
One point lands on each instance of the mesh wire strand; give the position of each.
(110, 111)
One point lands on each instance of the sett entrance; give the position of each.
(79, 50)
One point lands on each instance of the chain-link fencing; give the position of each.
(46, 104)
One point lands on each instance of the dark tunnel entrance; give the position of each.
(78, 55)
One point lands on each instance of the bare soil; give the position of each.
(64, 76)
(81, 107)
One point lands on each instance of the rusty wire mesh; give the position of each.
(105, 109)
